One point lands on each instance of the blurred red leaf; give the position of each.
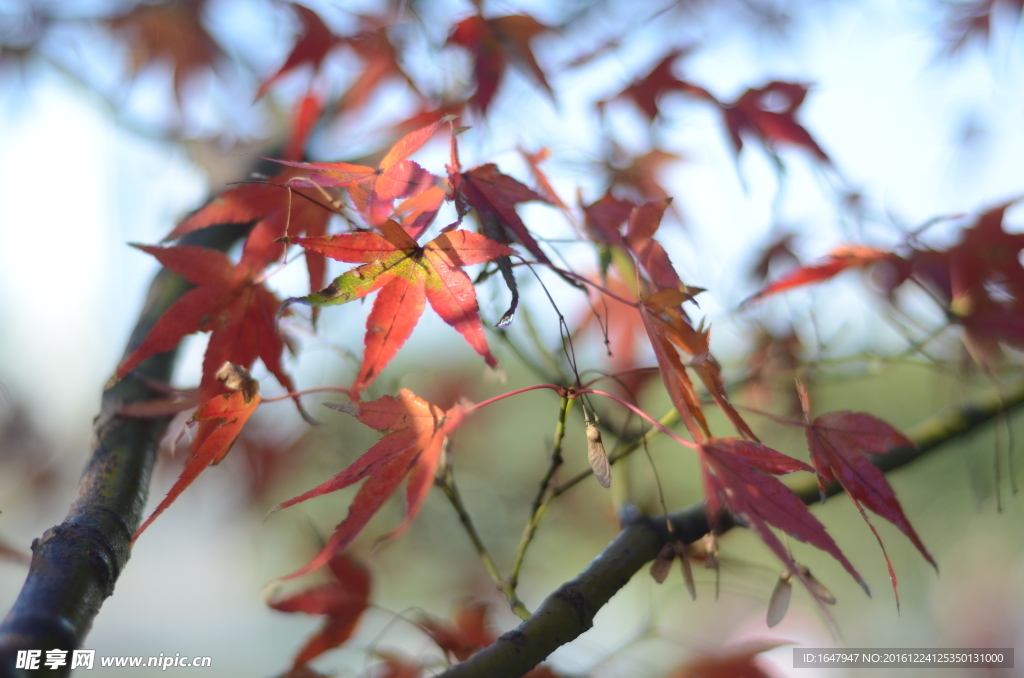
(9, 553)
(342, 602)
(311, 48)
(733, 661)
(412, 448)
(408, 276)
(769, 113)
(647, 91)
(169, 32)
(494, 44)
(841, 259)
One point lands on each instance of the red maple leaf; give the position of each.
(839, 443)
(840, 259)
(647, 91)
(373, 190)
(312, 48)
(408, 276)
(494, 43)
(670, 331)
(739, 474)
(169, 32)
(220, 421)
(412, 448)
(762, 112)
(380, 63)
(277, 209)
(494, 196)
(239, 313)
(342, 602)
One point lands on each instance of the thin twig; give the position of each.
(447, 484)
(539, 505)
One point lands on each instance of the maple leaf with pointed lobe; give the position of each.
(412, 449)
(648, 91)
(740, 475)
(534, 160)
(278, 210)
(494, 196)
(760, 112)
(839, 260)
(407, 276)
(839, 443)
(670, 331)
(494, 44)
(380, 63)
(341, 602)
(311, 48)
(239, 313)
(169, 32)
(220, 421)
(373, 190)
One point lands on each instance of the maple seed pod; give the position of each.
(816, 587)
(237, 378)
(598, 457)
(684, 563)
(663, 563)
(778, 604)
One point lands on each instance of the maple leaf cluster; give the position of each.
(387, 206)
(978, 282)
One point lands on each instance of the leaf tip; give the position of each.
(347, 408)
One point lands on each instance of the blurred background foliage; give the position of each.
(117, 119)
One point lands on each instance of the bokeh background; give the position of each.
(919, 106)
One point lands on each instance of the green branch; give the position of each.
(76, 564)
(570, 610)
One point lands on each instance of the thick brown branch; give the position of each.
(76, 564)
(570, 610)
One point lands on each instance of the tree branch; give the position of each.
(76, 564)
(570, 610)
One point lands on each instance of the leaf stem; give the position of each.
(541, 501)
(447, 484)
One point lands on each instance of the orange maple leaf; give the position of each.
(408, 276)
(412, 448)
(220, 421)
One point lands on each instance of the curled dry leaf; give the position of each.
(237, 378)
(220, 421)
(597, 456)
